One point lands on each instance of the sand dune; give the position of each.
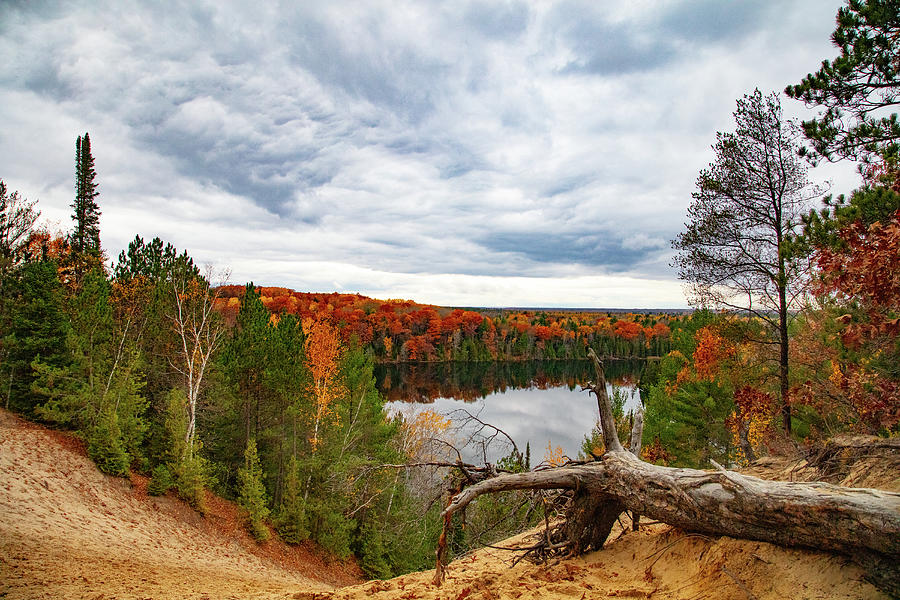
(67, 531)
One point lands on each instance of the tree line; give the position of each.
(405, 331)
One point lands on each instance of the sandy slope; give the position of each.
(66, 531)
(657, 562)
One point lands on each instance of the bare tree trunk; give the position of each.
(637, 433)
(864, 523)
(783, 341)
(744, 440)
(816, 515)
(607, 421)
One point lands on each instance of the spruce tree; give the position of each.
(37, 328)
(86, 237)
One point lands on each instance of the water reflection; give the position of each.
(469, 381)
(534, 402)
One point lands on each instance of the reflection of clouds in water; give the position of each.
(558, 415)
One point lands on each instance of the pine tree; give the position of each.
(291, 520)
(37, 329)
(748, 206)
(252, 492)
(86, 237)
(858, 89)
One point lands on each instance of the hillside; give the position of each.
(68, 531)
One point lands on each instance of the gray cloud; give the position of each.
(668, 35)
(702, 21)
(500, 20)
(479, 139)
(601, 48)
(599, 250)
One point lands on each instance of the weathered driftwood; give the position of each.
(816, 515)
(863, 523)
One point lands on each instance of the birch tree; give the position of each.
(198, 333)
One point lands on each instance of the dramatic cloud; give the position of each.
(474, 153)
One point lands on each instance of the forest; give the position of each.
(405, 331)
(267, 396)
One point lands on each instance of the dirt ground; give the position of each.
(67, 531)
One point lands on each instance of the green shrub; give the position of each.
(291, 521)
(372, 552)
(330, 528)
(160, 481)
(105, 446)
(190, 482)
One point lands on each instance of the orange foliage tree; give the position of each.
(323, 354)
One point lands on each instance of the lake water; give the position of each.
(533, 402)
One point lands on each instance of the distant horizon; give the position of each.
(471, 307)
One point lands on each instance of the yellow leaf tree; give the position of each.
(323, 354)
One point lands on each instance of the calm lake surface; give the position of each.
(534, 402)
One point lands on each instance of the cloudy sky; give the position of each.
(502, 153)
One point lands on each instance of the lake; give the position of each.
(534, 402)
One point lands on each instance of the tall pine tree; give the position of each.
(86, 237)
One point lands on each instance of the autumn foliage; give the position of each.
(861, 280)
(405, 331)
(323, 353)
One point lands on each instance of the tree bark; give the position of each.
(607, 421)
(634, 446)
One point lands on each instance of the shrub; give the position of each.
(105, 446)
(160, 481)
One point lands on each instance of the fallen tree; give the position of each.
(862, 523)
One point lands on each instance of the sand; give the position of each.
(68, 531)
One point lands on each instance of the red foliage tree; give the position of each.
(863, 278)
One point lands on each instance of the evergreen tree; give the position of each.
(252, 492)
(142, 281)
(155, 261)
(17, 218)
(245, 359)
(291, 519)
(748, 206)
(37, 331)
(857, 88)
(866, 205)
(85, 239)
